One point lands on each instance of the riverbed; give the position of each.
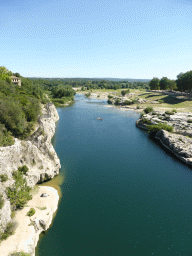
(122, 194)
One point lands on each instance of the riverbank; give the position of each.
(179, 141)
(142, 100)
(38, 154)
(28, 228)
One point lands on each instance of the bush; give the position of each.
(148, 110)
(146, 121)
(117, 101)
(1, 201)
(87, 95)
(109, 102)
(31, 212)
(189, 121)
(18, 194)
(142, 114)
(20, 254)
(3, 177)
(128, 102)
(153, 129)
(9, 230)
(24, 169)
(124, 92)
(169, 112)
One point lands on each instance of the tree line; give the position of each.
(183, 83)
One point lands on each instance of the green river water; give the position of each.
(122, 193)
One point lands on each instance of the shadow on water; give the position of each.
(166, 150)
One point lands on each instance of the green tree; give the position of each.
(19, 192)
(5, 73)
(154, 84)
(164, 83)
(184, 81)
(124, 92)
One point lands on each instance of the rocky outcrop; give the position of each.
(179, 145)
(36, 152)
(177, 141)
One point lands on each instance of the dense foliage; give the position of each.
(19, 109)
(19, 192)
(184, 81)
(88, 84)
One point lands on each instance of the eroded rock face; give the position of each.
(37, 153)
(176, 142)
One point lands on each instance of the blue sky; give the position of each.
(96, 38)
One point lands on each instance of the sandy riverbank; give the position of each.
(27, 234)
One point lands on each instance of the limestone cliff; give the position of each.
(179, 142)
(36, 152)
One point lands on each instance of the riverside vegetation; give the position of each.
(20, 105)
(20, 108)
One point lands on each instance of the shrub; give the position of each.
(128, 102)
(123, 92)
(138, 107)
(117, 101)
(142, 114)
(169, 112)
(1, 201)
(3, 177)
(189, 121)
(87, 95)
(20, 254)
(9, 230)
(148, 110)
(154, 113)
(19, 192)
(160, 101)
(153, 129)
(109, 102)
(31, 212)
(6, 138)
(110, 97)
(146, 121)
(24, 169)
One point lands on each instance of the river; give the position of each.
(122, 194)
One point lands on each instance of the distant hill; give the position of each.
(94, 79)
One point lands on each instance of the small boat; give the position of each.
(99, 118)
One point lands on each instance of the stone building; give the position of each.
(16, 80)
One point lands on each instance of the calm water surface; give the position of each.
(122, 194)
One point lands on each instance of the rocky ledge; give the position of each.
(36, 152)
(179, 142)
